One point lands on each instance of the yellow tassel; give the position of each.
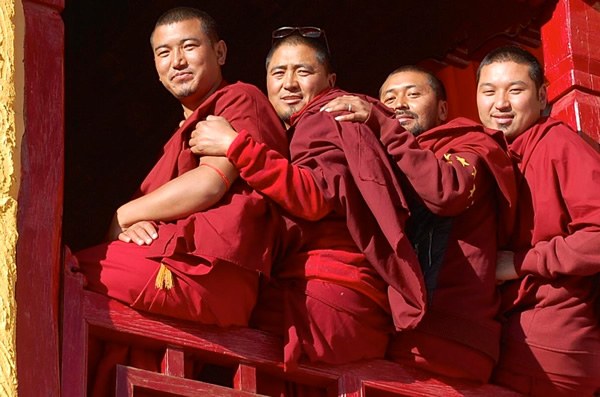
(164, 278)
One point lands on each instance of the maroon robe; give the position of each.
(552, 330)
(336, 309)
(215, 255)
(225, 236)
(459, 171)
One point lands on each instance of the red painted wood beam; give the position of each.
(39, 216)
(571, 44)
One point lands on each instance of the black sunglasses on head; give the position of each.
(310, 32)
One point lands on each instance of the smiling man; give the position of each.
(175, 227)
(187, 245)
(551, 333)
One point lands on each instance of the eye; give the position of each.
(190, 47)
(516, 91)
(488, 92)
(277, 74)
(388, 100)
(304, 72)
(413, 94)
(162, 53)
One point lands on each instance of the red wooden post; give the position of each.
(245, 378)
(75, 335)
(173, 363)
(571, 43)
(39, 217)
(350, 386)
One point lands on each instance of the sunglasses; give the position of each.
(310, 32)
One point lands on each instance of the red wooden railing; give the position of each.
(252, 357)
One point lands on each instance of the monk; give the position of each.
(328, 300)
(460, 174)
(187, 245)
(551, 333)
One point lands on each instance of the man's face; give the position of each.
(188, 64)
(507, 98)
(294, 77)
(413, 100)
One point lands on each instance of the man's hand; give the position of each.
(140, 233)
(212, 137)
(505, 266)
(356, 109)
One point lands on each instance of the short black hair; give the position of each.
(319, 46)
(434, 82)
(178, 14)
(518, 55)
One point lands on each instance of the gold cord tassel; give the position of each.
(164, 278)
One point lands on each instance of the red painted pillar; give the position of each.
(571, 43)
(39, 217)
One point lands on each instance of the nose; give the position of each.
(179, 59)
(501, 101)
(290, 82)
(400, 103)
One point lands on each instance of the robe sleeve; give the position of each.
(570, 177)
(292, 187)
(447, 185)
(246, 108)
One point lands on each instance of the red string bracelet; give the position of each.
(221, 174)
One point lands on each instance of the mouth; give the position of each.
(404, 118)
(503, 119)
(181, 77)
(291, 100)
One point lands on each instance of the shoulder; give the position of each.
(463, 122)
(455, 128)
(551, 144)
(463, 134)
(561, 140)
(241, 90)
(242, 102)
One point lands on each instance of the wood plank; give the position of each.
(40, 201)
(131, 380)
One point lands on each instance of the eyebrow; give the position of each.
(194, 39)
(294, 66)
(511, 83)
(405, 87)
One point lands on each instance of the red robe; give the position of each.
(351, 321)
(552, 328)
(215, 255)
(461, 171)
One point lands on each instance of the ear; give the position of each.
(331, 79)
(543, 97)
(443, 110)
(221, 50)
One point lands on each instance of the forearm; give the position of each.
(292, 187)
(576, 254)
(193, 191)
(447, 186)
